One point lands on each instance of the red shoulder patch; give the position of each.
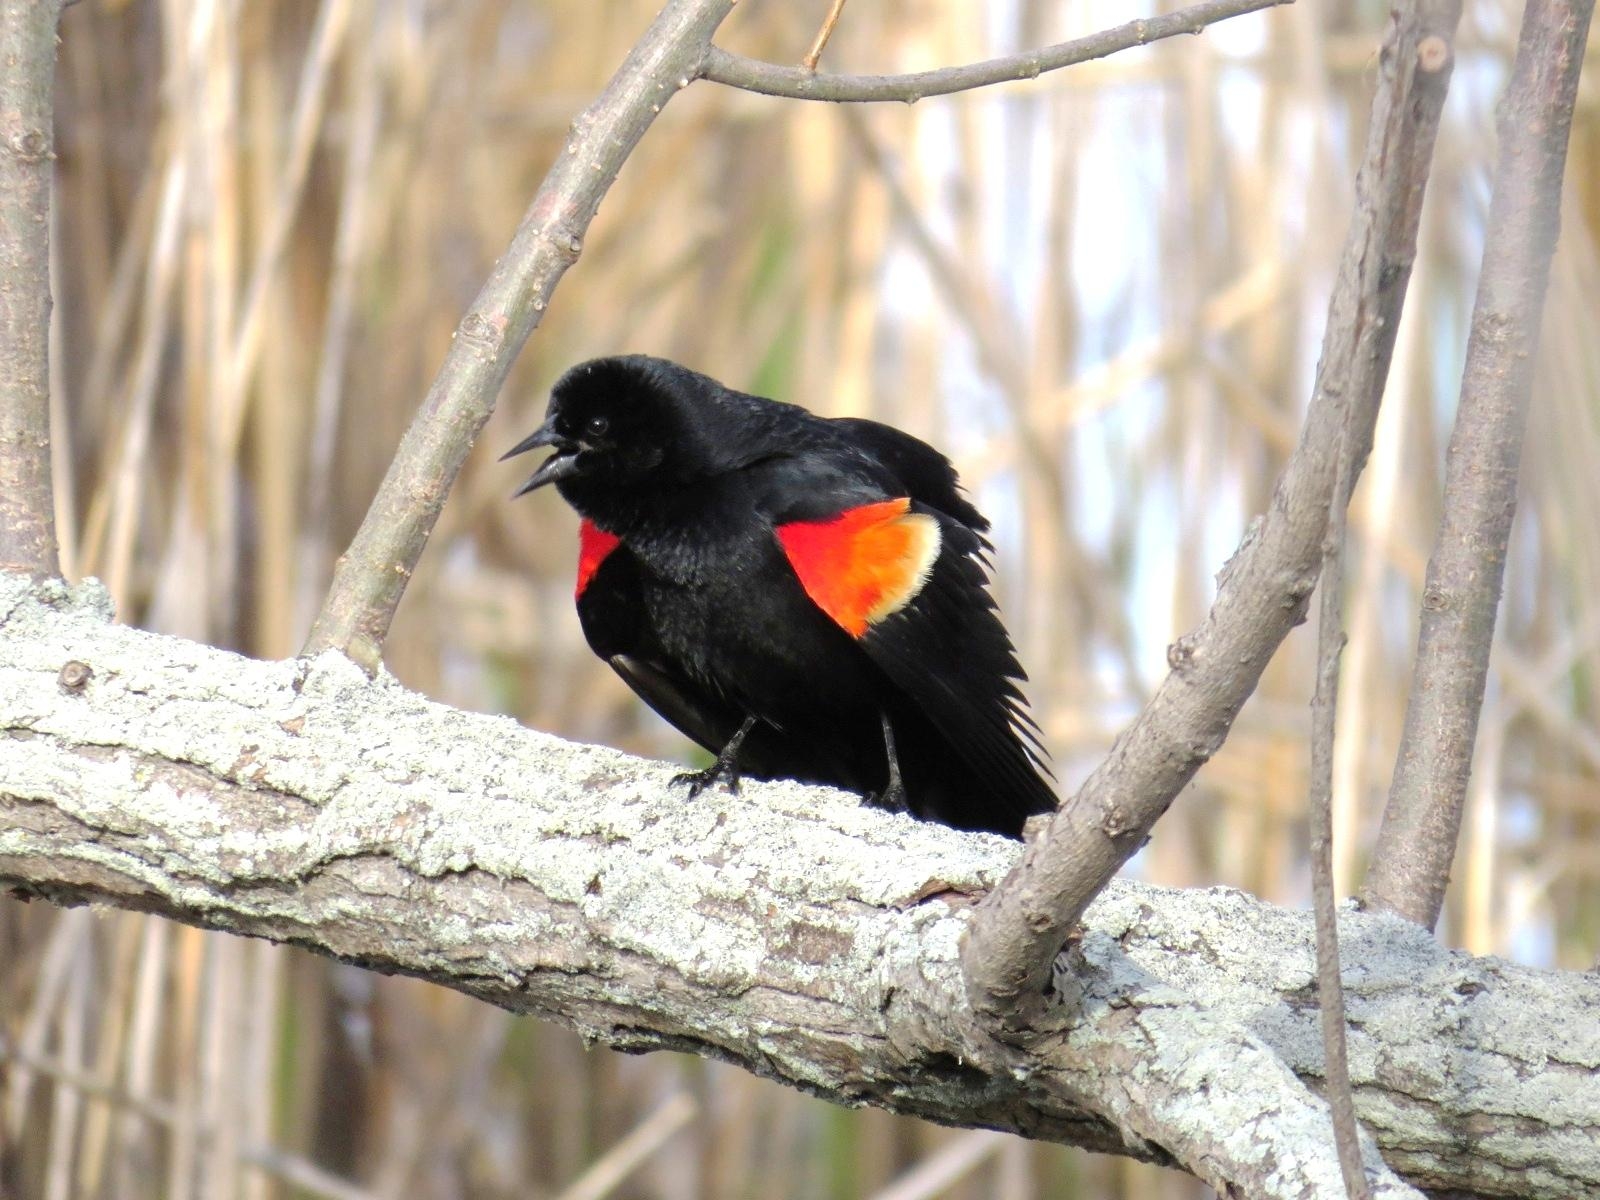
(594, 544)
(865, 563)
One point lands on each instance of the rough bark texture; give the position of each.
(1461, 595)
(789, 930)
(1263, 589)
(27, 158)
(372, 574)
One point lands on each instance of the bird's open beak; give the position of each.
(560, 465)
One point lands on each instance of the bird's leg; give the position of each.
(893, 796)
(724, 770)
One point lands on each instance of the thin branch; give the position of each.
(1324, 707)
(820, 42)
(802, 83)
(1422, 821)
(372, 573)
(27, 157)
(1263, 590)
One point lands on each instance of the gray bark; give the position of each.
(1263, 589)
(1461, 594)
(788, 929)
(806, 83)
(27, 158)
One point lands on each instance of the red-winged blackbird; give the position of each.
(806, 598)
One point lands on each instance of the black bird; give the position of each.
(806, 598)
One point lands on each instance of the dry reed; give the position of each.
(1099, 291)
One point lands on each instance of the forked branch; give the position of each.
(1461, 594)
(1264, 588)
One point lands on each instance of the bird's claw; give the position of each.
(717, 772)
(891, 799)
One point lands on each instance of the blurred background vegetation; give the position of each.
(1102, 292)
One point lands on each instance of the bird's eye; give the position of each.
(598, 426)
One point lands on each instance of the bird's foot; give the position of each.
(725, 770)
(721, 772)
(891, 799)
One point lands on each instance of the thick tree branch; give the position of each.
(1422, 821)
(27, 158)
(789, 930)
(803, 83)
(1262, 591)
(372, 574)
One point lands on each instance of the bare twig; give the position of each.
(1411, 863)
(27, 152)
(803, 83)
(1324, 706)
(1262, 591)
(372, 573)
(820, 42)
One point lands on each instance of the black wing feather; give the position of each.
(688, 708)
(949, 652)
(926, 474)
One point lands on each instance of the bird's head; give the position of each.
(626, 423)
